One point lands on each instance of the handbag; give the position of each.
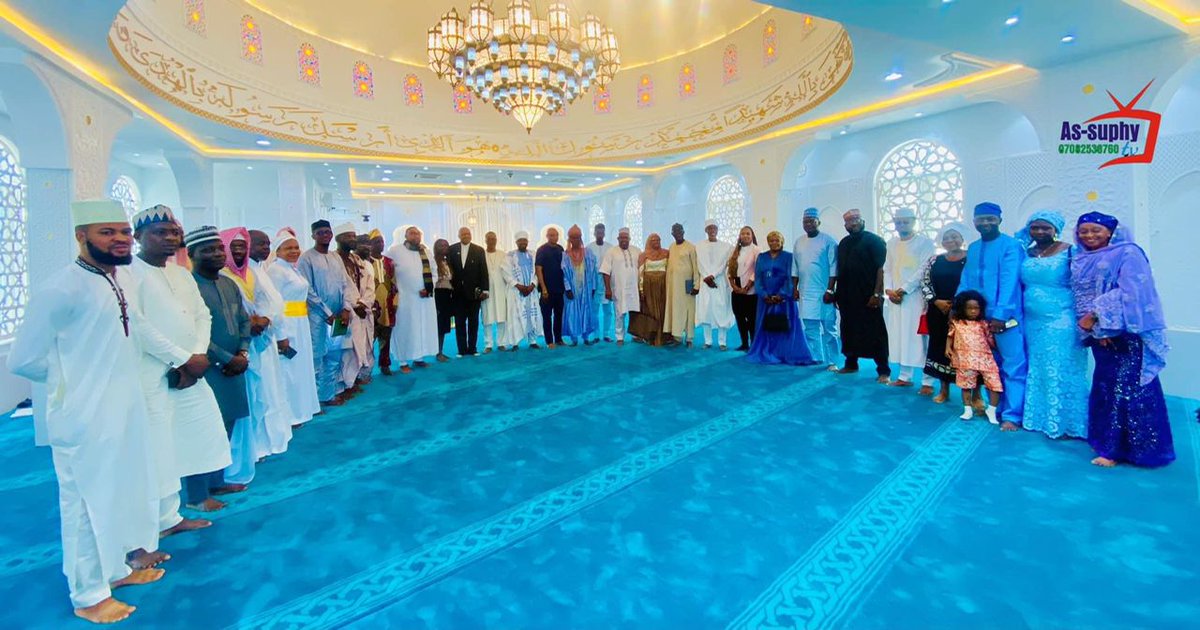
(776, 319)
(923, 325)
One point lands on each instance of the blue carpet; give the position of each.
(652, 488)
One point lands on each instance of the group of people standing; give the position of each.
(245, 338)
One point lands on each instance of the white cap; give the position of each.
(709, 222)
(344, 228)
(522, 235)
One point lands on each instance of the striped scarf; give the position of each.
(426, 270)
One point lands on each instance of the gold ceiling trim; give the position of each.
(215, 97)
(355, 182)
(425, 65)
(1178, 15)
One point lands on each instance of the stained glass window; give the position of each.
(595, 216)
(602, 101)
(727, 206)
(14, 276)
(251, 40)
(462, 99)
(364, 81)
(193, 15)
(633, 220)
(645, 91)
(687, 81)
(770, 43)
(310, 64)
(414, 93)
(924, 176)
(729, 63)
(126, 192)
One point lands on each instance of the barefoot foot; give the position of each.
(1104, 462)
(142, 559)
(229, 488)
(405, 369)
(925, 390)
(208, 505)
(941, 398)
(106, 612)
(882, 380)
(900, 383)
(140, 577)
(186, 525)
(1008, 426)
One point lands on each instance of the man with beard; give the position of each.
(78, 337)
(683, 285)
(228, 343)
(353, 347)
(385, 297)
(469, 275)
(184, 415)
(858, 291)
(495, 308)
(325, 273)
(415, 329)
(524, 314)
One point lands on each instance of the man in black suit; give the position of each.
(469, 275)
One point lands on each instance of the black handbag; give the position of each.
(775, 319)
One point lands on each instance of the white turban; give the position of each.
(344, 228)
(709, 222)
(906, 213)
(522, 235)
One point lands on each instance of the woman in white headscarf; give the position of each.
(299, 374)
(939, 285)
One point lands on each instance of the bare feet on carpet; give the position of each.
(186, 525)
(487, 350)
(442, 358)
(385, 370)
(882, 379)
(1008, 426)
(926, 390)
(404, 369)
(142, 559)
(420, 364)
(900, 383)
(140, 577)
(620, 343)
(229, 488)
(208, 505)
(832, 368)
(941, 398)
(106, 612)
(1104, 462)
(847, 370)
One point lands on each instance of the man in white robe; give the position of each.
(186, 427)
(619, 268)
(907, 253)
(714, 304)
(683, 284)
(269, 429)
(79, 338)
(520, 280)
(300, 384)
(366, 295)
(600, 248)
(495, 308)
(415, 332)
(814, 255)
(325, 273)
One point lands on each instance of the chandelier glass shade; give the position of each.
(524, 64)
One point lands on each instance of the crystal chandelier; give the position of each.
(523, 64)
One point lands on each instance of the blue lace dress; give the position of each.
(1056, 394)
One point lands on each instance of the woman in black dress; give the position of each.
(939, 286)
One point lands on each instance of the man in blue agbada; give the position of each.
(994, 269)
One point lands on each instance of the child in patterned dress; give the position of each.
(969, 346)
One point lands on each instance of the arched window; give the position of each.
(633, 219)
(770, 43)
(414, 94)
(193, 15)
(727, 206)
(126, 192)
(364, 81)
(645, 92)
(924, 176)
(602, 101)
(251, 40)
(14, 278)
(462, 98)
(309, 64)
(687, 81)
(595, 216)
(729, 64)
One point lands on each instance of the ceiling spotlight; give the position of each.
(1067, 39)
(386, 179)
(458, 181)
(424, 168)
(599, 179)
(331, 178)
(377, 166)
(387, 171)
(842, 132)
(524, 183)
(249, 168)
(468, 174)
(1012, 20)
(581, 185)
(137, 155)
(441, 194)
(324, 163)
(263, 142)
(161, 164)
(537, 176)
(640, 162)
(918, 115)
(893, 76)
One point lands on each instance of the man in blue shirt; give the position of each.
(994, 269)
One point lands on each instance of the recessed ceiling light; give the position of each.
(263, 142)
(377, 166)
(640, 162)
(599, 179)
(1012, 20)
(918, 115)
(581, 185)
(137, 155)
(331, 177)
(947, 1)
(441, 194)
(893, 76)
(468, 174)
(386, 179)
(424, 168)
(458, 181)
(537, 176)
(842, 132)
(161, 164)
(1067, 39)
(524, 183)
(249, 168)
(387, 171)
(324, 163)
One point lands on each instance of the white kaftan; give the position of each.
(415, 332)
(299, 376)
(495, 308)
(714, 307)
(903, 269)
(621, 267)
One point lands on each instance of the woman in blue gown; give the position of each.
(779, 337)
(1056, 391)
(1122, 320)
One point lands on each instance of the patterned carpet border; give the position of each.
(818, 589)
(356, 596)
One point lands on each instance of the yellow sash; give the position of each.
(295, 309)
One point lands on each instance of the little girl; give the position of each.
(969, 347)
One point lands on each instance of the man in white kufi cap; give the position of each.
(907, 254)
(714, 304)
(520, 278)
